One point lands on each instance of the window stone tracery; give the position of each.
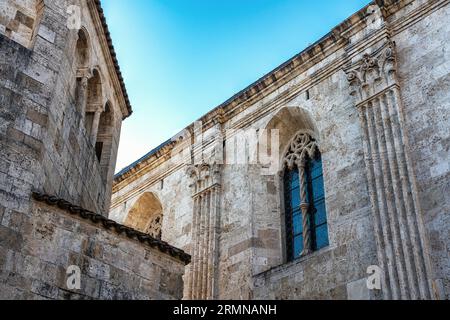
(301, 149)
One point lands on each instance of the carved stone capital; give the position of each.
(373, 73)
(301, 147)
(84, 74)
(203, 176)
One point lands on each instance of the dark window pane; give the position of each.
(294, 179)
(322, 237)
(320, 215)
(99, 150)
(298, 246)
(298, 226)
(316, 168)
(295, 198)
(316, 197)
(318, 188)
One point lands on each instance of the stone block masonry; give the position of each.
(116, 262)
(53, 79)
(374, 94)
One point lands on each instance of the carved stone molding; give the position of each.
(398, 226)
(373, 73)
(301, 146)
(203, 177)
(154, 226)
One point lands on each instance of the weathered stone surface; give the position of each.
(51, 142)
(363, 171)
(374, 95)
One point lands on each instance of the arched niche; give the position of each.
(146, 215)
(94, 100)
(82, 51)
(289, 121)
(104, 141)
(19, 20)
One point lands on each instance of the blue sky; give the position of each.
(182, 58)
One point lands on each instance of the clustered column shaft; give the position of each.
(398, 224)
(396, 214)
(205, 240)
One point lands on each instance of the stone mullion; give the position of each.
(386, 183)
(375, 156)
(397, 190)
(304, 206)
(412, 209)
(379, 234)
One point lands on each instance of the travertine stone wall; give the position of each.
(408, 156)
(45, 147)
(41, 245)
(19, 20)
(424, 67)
(42, 136)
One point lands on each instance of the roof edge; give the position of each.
(338, 33)
(108, 224)
(250, 90)
(113, 54)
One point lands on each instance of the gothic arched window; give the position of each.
(304, 196)
(146, 215)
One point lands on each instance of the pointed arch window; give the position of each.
(304, 196)
(146, 215)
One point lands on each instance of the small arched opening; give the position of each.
(104, 138)
(146, 215)
(94, 103)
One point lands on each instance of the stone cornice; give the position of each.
(336, 40)
(110, 56)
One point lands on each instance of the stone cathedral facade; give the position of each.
(353, 181)
(326, 179)
(62, 103)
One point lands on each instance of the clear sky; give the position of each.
(182, 58)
